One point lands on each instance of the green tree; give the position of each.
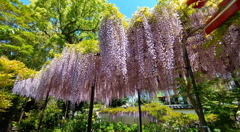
(34, 33)
(19, 38)
(68, 21)
(5, 100)
(9, 71)
(221, 100)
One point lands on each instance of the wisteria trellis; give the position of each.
(146, 55)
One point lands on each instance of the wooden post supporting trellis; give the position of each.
(91, 109)
(140, 111)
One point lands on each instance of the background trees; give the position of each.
(19, 40)
(9, 70)
(68, 20)
(32, 34)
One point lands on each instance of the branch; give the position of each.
(60, 16)
(46, 33)
(83, 15)
(194, 30)
(69, 24)
(79, 29)
(191, 32)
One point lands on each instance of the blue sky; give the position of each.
(126, 7)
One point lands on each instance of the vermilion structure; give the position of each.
(226, 9)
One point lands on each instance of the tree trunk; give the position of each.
(66, 109)
(23, 111)
(42, 113)
(91, 109)
(140, 111)
(192, 100)
(189, 73)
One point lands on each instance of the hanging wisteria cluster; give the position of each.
(113, 42)
(166, 30)
(146, 55)
(141, 62)
(68, 77)
(230, 49)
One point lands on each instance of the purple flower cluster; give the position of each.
(166, 30)
(68, 77)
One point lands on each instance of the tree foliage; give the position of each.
(5, 100)
(19, 39)
(9, 71)
(68, 20)
(33, 34)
